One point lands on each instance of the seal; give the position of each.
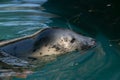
(48, 41)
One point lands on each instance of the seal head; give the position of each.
(59, 41)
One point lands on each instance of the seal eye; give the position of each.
(73, 40)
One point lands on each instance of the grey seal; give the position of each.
(48, 41)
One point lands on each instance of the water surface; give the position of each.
(24, 17)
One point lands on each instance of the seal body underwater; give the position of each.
(49, 41)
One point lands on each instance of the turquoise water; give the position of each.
(20, 18)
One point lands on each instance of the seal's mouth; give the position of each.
(89, 44)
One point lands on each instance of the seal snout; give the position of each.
(89, 43)
(92, 42)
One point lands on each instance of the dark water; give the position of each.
(23, 17)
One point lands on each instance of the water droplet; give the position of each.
(108, 5)
(110, 45)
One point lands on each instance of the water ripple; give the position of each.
(22, 17)
(9, 6)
